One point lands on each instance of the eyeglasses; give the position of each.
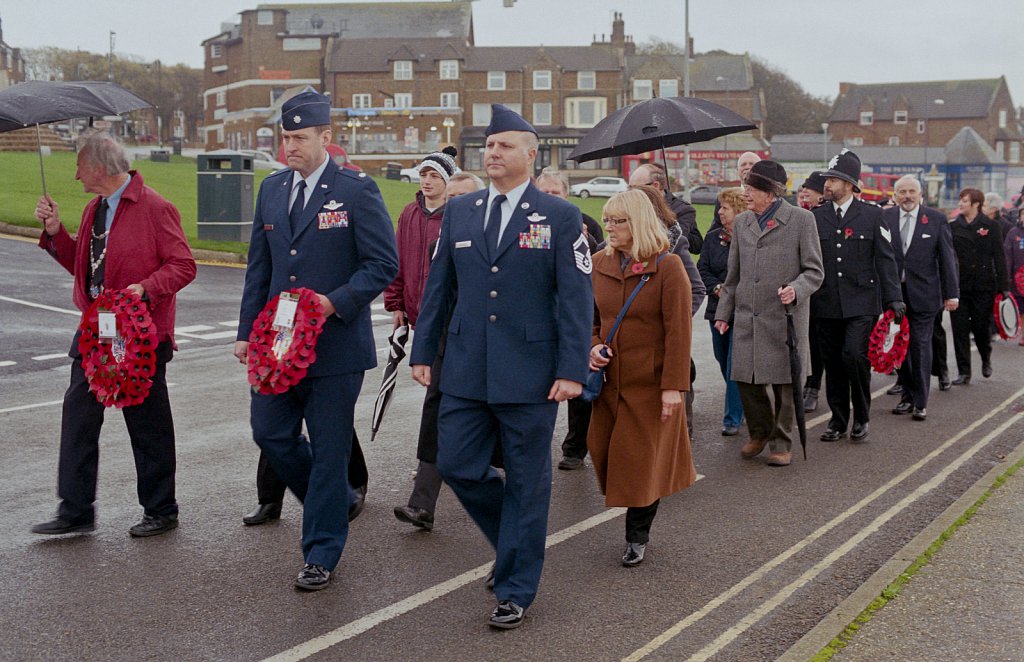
(633, 187)
(614, 221)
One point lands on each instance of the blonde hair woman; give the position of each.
(638, 440)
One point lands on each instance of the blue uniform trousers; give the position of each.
(721, 344)
(512, 513)
(314, 470)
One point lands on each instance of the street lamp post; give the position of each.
(448, 123)
(354, 126)
(824, 142)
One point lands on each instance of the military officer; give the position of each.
(517, 345)
(860, 275)
(326, 229)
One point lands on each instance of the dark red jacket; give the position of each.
(146, 245)
(417, 234)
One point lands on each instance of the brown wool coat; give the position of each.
(637, 457)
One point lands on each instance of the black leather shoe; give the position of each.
(962, 380)
(810, 399)
(832, 435)
(490, 579)
(418, 517)
(986, 369)
(154, 526)
(58, 526)
(730, 430)
(895, 389)
(263, 513)
(313, 577)
(507, 615)
(859, 432)
(920, 414)
(356, 507)
(903, 407)
(568, 463)
(634, 554)
(944, 383)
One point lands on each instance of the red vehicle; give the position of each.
(877, 187)
(337, 153)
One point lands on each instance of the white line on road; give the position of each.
(50, 357)
(767, 606)
(381, 318)
(395, 610)
(42, 306)
(216, 335)
(4, 364)
(195, 328)
(231, 323)
(761, 572)
(33, 406)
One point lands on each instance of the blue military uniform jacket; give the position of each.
(859, 262)
(343, 247)
(521, 320)
(928, 269)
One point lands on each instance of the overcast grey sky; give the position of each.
(818, 43)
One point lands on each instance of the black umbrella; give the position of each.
(796, 373)
(656, 124)
(387, 384)
(41, 102)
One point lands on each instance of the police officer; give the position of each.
(517, 345)
(326, 229)
(860, 274)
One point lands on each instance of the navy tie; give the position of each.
(300, 202)
(493, 226)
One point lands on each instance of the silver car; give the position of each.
(601, 187)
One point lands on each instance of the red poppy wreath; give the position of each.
(119, 370)
(888, 347)
(280, 357)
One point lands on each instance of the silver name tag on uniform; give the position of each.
(463, 244)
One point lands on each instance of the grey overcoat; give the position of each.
(787, 252)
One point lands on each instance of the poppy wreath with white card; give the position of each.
(118, 346)
(282, 344)
(888, 345)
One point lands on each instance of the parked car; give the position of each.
(409, 175)
(260, 159)
(604, 187)
(704, 194)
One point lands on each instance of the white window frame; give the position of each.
(542, 113)
(403, 100)
(867, 117)
(481, 114)
(449, 99)
(572, 118)
(586, 80)
(1014, 156)
(495, 80)
(539, 78)
(389, 102)
(1001, 149)
(448, 70)
(516, 108)
(403, 69)
(1002, 119)
(642, 89)
(216, 51)
(264, 17)
(674, 87)
(362, 100)
(894, 141)
(899, 117)
(854, 141)
(222, 98)
(922, 125)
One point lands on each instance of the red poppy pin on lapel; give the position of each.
(983, 231)
(638, 267)
(848, 233)
(924, 220)
(770, 224)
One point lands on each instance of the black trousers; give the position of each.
(638, 522)
(575, 443)
(915, 372)
(940, 367)
(844, 348)
(150, 428)
(973, 316)
(817, 362)
(270, 488)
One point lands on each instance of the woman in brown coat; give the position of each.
(637, 438)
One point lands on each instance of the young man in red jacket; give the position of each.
(419, 226)
(130, 238)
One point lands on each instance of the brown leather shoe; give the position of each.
(780, 459)
(753, 447)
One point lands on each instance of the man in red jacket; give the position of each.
(129, 238)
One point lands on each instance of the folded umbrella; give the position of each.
(396, 353)
(796, 373)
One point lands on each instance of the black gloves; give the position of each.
(898, 308)
(1007, 294)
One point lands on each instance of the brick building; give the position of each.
(12, 64)
(927, 114)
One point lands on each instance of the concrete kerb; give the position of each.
(846, 612)
(200, 254)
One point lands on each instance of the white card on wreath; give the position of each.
(287, 304)
(107, 325)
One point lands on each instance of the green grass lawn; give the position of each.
(176, 181)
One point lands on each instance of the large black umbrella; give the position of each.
(796, 373)
(387, 385)
(41, 102)
(656, 124)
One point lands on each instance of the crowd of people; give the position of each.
(518, 301)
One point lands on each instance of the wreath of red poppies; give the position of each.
(1004, 332)
(1018, 279)
(279, 359)
(119, 371)
(882, 361)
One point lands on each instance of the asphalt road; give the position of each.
(740, 566)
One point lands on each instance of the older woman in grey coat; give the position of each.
(774, 262)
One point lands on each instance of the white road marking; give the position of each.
(382, 318)
(42, 306)
(767, 606)
(50, 357)
(195, 328)
(231, 323)
(761, 572)
(182, 341)
(377, 306)
(361, 625)
(4, 364)
(33, 406)
(216, 335)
